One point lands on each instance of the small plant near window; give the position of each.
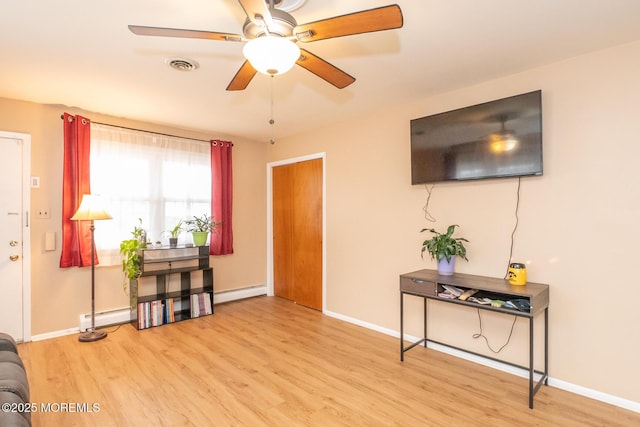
(200, 227)
(175, 231)
(203, 224)
(129, 251)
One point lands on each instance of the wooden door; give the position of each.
(297, 232)
(282, 178)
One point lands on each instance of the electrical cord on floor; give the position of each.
(115, 330)
(481, 334)
(515, 227)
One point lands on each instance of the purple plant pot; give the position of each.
(445, 268)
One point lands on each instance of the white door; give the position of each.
(14, 235)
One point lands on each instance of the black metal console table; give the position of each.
(428, 284)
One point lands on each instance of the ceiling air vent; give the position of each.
(182, 64)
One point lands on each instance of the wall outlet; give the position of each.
(43, 213)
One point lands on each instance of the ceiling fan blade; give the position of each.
(190, 34)
(243, 77)
(366, 21)
(257, 11)
(324, 70)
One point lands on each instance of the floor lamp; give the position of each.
(91, 209)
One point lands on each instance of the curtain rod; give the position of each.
(147, 131)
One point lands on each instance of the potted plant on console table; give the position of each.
(200, 227)
(444, 248)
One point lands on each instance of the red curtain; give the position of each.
(221, 242)
(76, 235)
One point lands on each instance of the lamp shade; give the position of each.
(271, 55)
(91, 208)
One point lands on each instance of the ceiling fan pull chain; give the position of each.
(271, 121)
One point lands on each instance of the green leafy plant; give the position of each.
(204, 223)
(444, 245)
(175, 231)
(129, 251)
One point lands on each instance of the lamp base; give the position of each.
(91, 336)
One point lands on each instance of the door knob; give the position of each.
(14, 257)
(13, 243)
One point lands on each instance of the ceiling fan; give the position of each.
(271, 32)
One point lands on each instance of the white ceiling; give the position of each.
(80, 53)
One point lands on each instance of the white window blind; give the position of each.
(160, 179)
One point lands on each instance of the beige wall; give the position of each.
(578, 223)
(59, 296)
(578, 229)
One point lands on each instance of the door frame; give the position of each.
(270, 167)
(26, 230)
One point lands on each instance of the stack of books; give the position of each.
(155, 313)
(201, 304)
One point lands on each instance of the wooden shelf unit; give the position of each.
(162, 303)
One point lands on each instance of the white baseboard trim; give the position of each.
(105, 318)
(563, 385)
(54, 334)
(596, 395)
(237, 294)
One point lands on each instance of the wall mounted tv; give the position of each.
(501, 138)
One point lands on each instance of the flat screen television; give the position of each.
(501, 138)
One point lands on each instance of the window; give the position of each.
(157, 178)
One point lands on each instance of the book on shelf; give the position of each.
(207, 304)
(156, 306)
(140, 315)
(201, 308)
(195, 305)
(168, 314)
(147, 315)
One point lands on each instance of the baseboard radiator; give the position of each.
(105, 318)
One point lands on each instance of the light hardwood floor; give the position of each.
(268, 362)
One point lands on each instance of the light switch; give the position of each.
(50, 241)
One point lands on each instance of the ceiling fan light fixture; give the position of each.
(502, 141)
(271, 55)
(289, 5)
